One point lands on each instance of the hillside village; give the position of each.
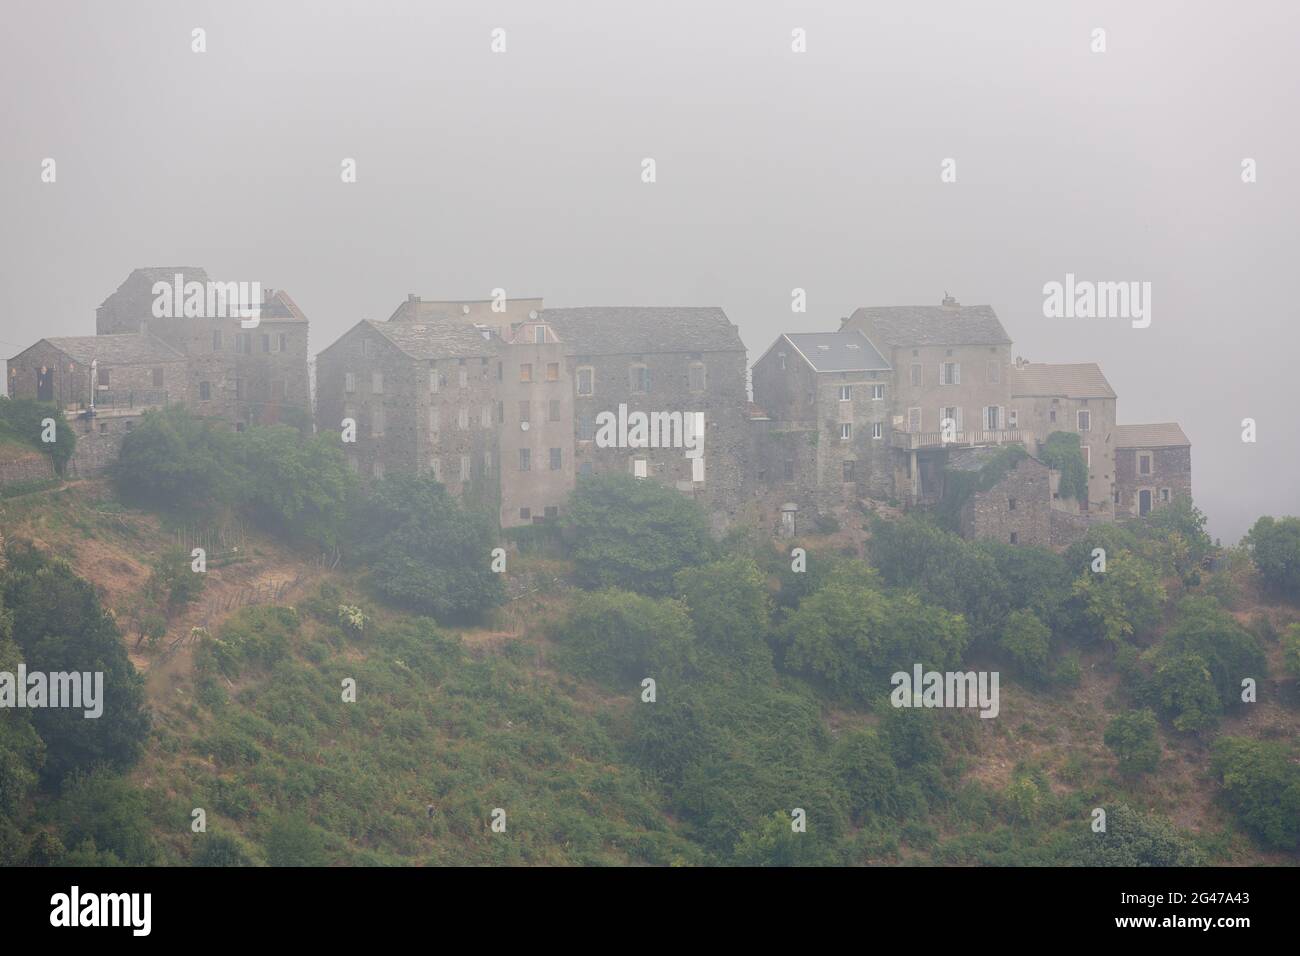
(500, 400)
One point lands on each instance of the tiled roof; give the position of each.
(281, 308)
(1161, 435)
(1064, 381)
(837, 351)
(624, 330)
(435, 340)
(152, 274)
(906, 326)
(132, 348)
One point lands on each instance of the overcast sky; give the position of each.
(776, 170)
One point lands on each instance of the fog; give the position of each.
(775, 170)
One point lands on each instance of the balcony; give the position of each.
(915, 441)
(121, 401)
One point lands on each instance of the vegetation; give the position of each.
(1274, 544)
(22, 423)
(1063, 453)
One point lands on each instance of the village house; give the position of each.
(825, 432)
(1153, 466)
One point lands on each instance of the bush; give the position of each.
(22, 418)
(634, 534)
(1262, 783)
(1028, 641)
(622, 638)
(1274, 545)
(1132, 739)
(1062, 452)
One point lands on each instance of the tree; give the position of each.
(173, 460)
(1291, 650)
(173, 583)
(852, 635)
(1122, 602)
(298, 484)
(621, 637)
(1062, 452)
(1029, 643)
(1261, 781)
(291, 840)
(1229, 651)
(1131, 737)
(24, 418)
(1182, 526)
(1274, 544)
(634, 534)
(729, 605)
(1131, 839)
(424, 551)
(1184, 689)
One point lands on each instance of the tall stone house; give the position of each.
(1070, 398)
(825, 431)
(521, 419)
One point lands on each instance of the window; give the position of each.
(244, 343)
(556, 462)
(1164, 492)
(992, 418)
(848, 471)
(585, 468)
(1085, 420)
(780, 358)
(349, 382)
(586, 380)
(377, 421)
(501, 413)
(526, 372)
(103, 376)
(462, 375)
(377, 469)
(462, 418)
(1144, 463)
(1013, 419)
(916, 375)
(638, 468)
(586, 428)
(913, 419)
(487, 463)
(377, 383)
(1011, 504)
(433, 421)
(103, 428)
(284, 342)
(1051, 416)
(523, 412)
(435, 466)
(1087, 456)
(789, 469)
(435, 380)
(365, 348)
(525, 514)
(216, 340)
(846, 393)
(995, 373)
(525, 459)
(846, 431)
(1015, 538)
(553, 410)
(485, 416)
(950, 414)
(157, 378)
(464, 467)
(551, 511)
(552, 371)
(950, 373)
(695, 378)
(640, 378)
(877, 430)
(877, 393)
(205, 389)
(266, 343)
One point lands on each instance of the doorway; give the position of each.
(1144, 503)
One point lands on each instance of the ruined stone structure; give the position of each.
(1016, 510)
(826, 440)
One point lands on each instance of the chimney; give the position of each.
(268, 295)
(951, 304)
(412, 297)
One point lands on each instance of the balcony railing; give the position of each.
(911, 441)
(126, 398)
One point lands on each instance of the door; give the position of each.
(1144, 502)
(45, 384)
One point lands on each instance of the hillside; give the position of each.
(452, 722)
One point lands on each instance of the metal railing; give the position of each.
(910, 441)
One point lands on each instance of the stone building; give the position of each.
(825, 432)
(950, 365)
(237, 371)
(1075, 399)
(103, 383)
(551, 375)
(1153, 466)
(1016, 510)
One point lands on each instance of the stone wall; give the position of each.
(1044, 415)
(24, 466)
(1017, 510)
(1171, 470)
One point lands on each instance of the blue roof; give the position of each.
(838, 351)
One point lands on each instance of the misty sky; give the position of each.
(775, 170)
